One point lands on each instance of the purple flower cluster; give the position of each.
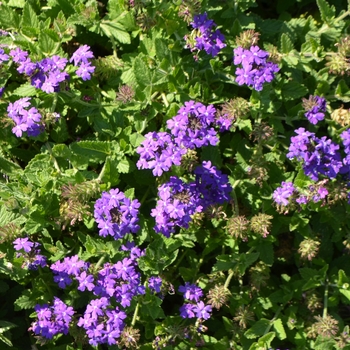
(178, 201)
(345, 136)
(315, 109)
(255, 70)
(288, 195)
(282, 194)
(81, 59)
(113, 286)
(52, 320)
(30, 252)
(70, 267)
(116, 215)
(159, 152)
(319, 156)
(155, 284)
(192, 127)
(103, 322)
(3, 56)
(46, 74)
(197, 308)
(206, 37)
(26, 118)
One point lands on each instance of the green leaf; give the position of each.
(25, 90)
(125, 166)
(323, 343)
(258, 329)
(115, 30)
(30, 18)
(25, 301)
(9, 19)
(97, 151)
(266, 252)
(9, 168)
(278, 326)
(49, 42)
(142, 72)
(342, 91)
(16, 3)
(286, 43)
(327, 12)
(293, 90)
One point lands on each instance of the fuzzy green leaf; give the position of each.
(278, 326)
(286, 43)
(9, 168)
(25, 90)
(30, 18)
(258, 329)
(327, 12)
(116, 31)
(97, 151)
(293, 90)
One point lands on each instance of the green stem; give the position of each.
(99, 263)
(274, 318)
(345, 14)
(228, 279)
(134, 318)
(165, 100)
(53, 158)
(325, 300)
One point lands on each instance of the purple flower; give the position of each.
(82, 55)
(255, 70)
(116, 215)
(204, 37)
(202, 311)
(26, 120)
(23, 243)
(52, 320)
(282, 194)
(85, 70)
(315, 108)
(187, 311)
(191, 291)
(155, 284)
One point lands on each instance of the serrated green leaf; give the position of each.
(9, 168)
(124, 166)
(16, 3)
(142, 72)
(48, 42)
(30, 18)
(5, 340)
(9, 19)
(278, 326)
(327, 12)
(25, 301)
(286, 43)
(25, 90)
(342, 91)
(96, 151)
(293, 90)
(115, 30)
(258, 329)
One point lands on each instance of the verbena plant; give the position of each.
(175, 174)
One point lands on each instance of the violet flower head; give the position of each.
(27, 119)
(319, 156)
(315, 108)
(177, 202)
(159, 152)
(254, 70)
(155, 284)
(191, 291)
(81, 59)
(192, 127)
(30, 251)
(52, 320)
(204, 36)
(116, 215)
(282, 194)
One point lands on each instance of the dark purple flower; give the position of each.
(315, 108)
(191, 291)
(202, 311)
(255, 70)
(116, 215)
